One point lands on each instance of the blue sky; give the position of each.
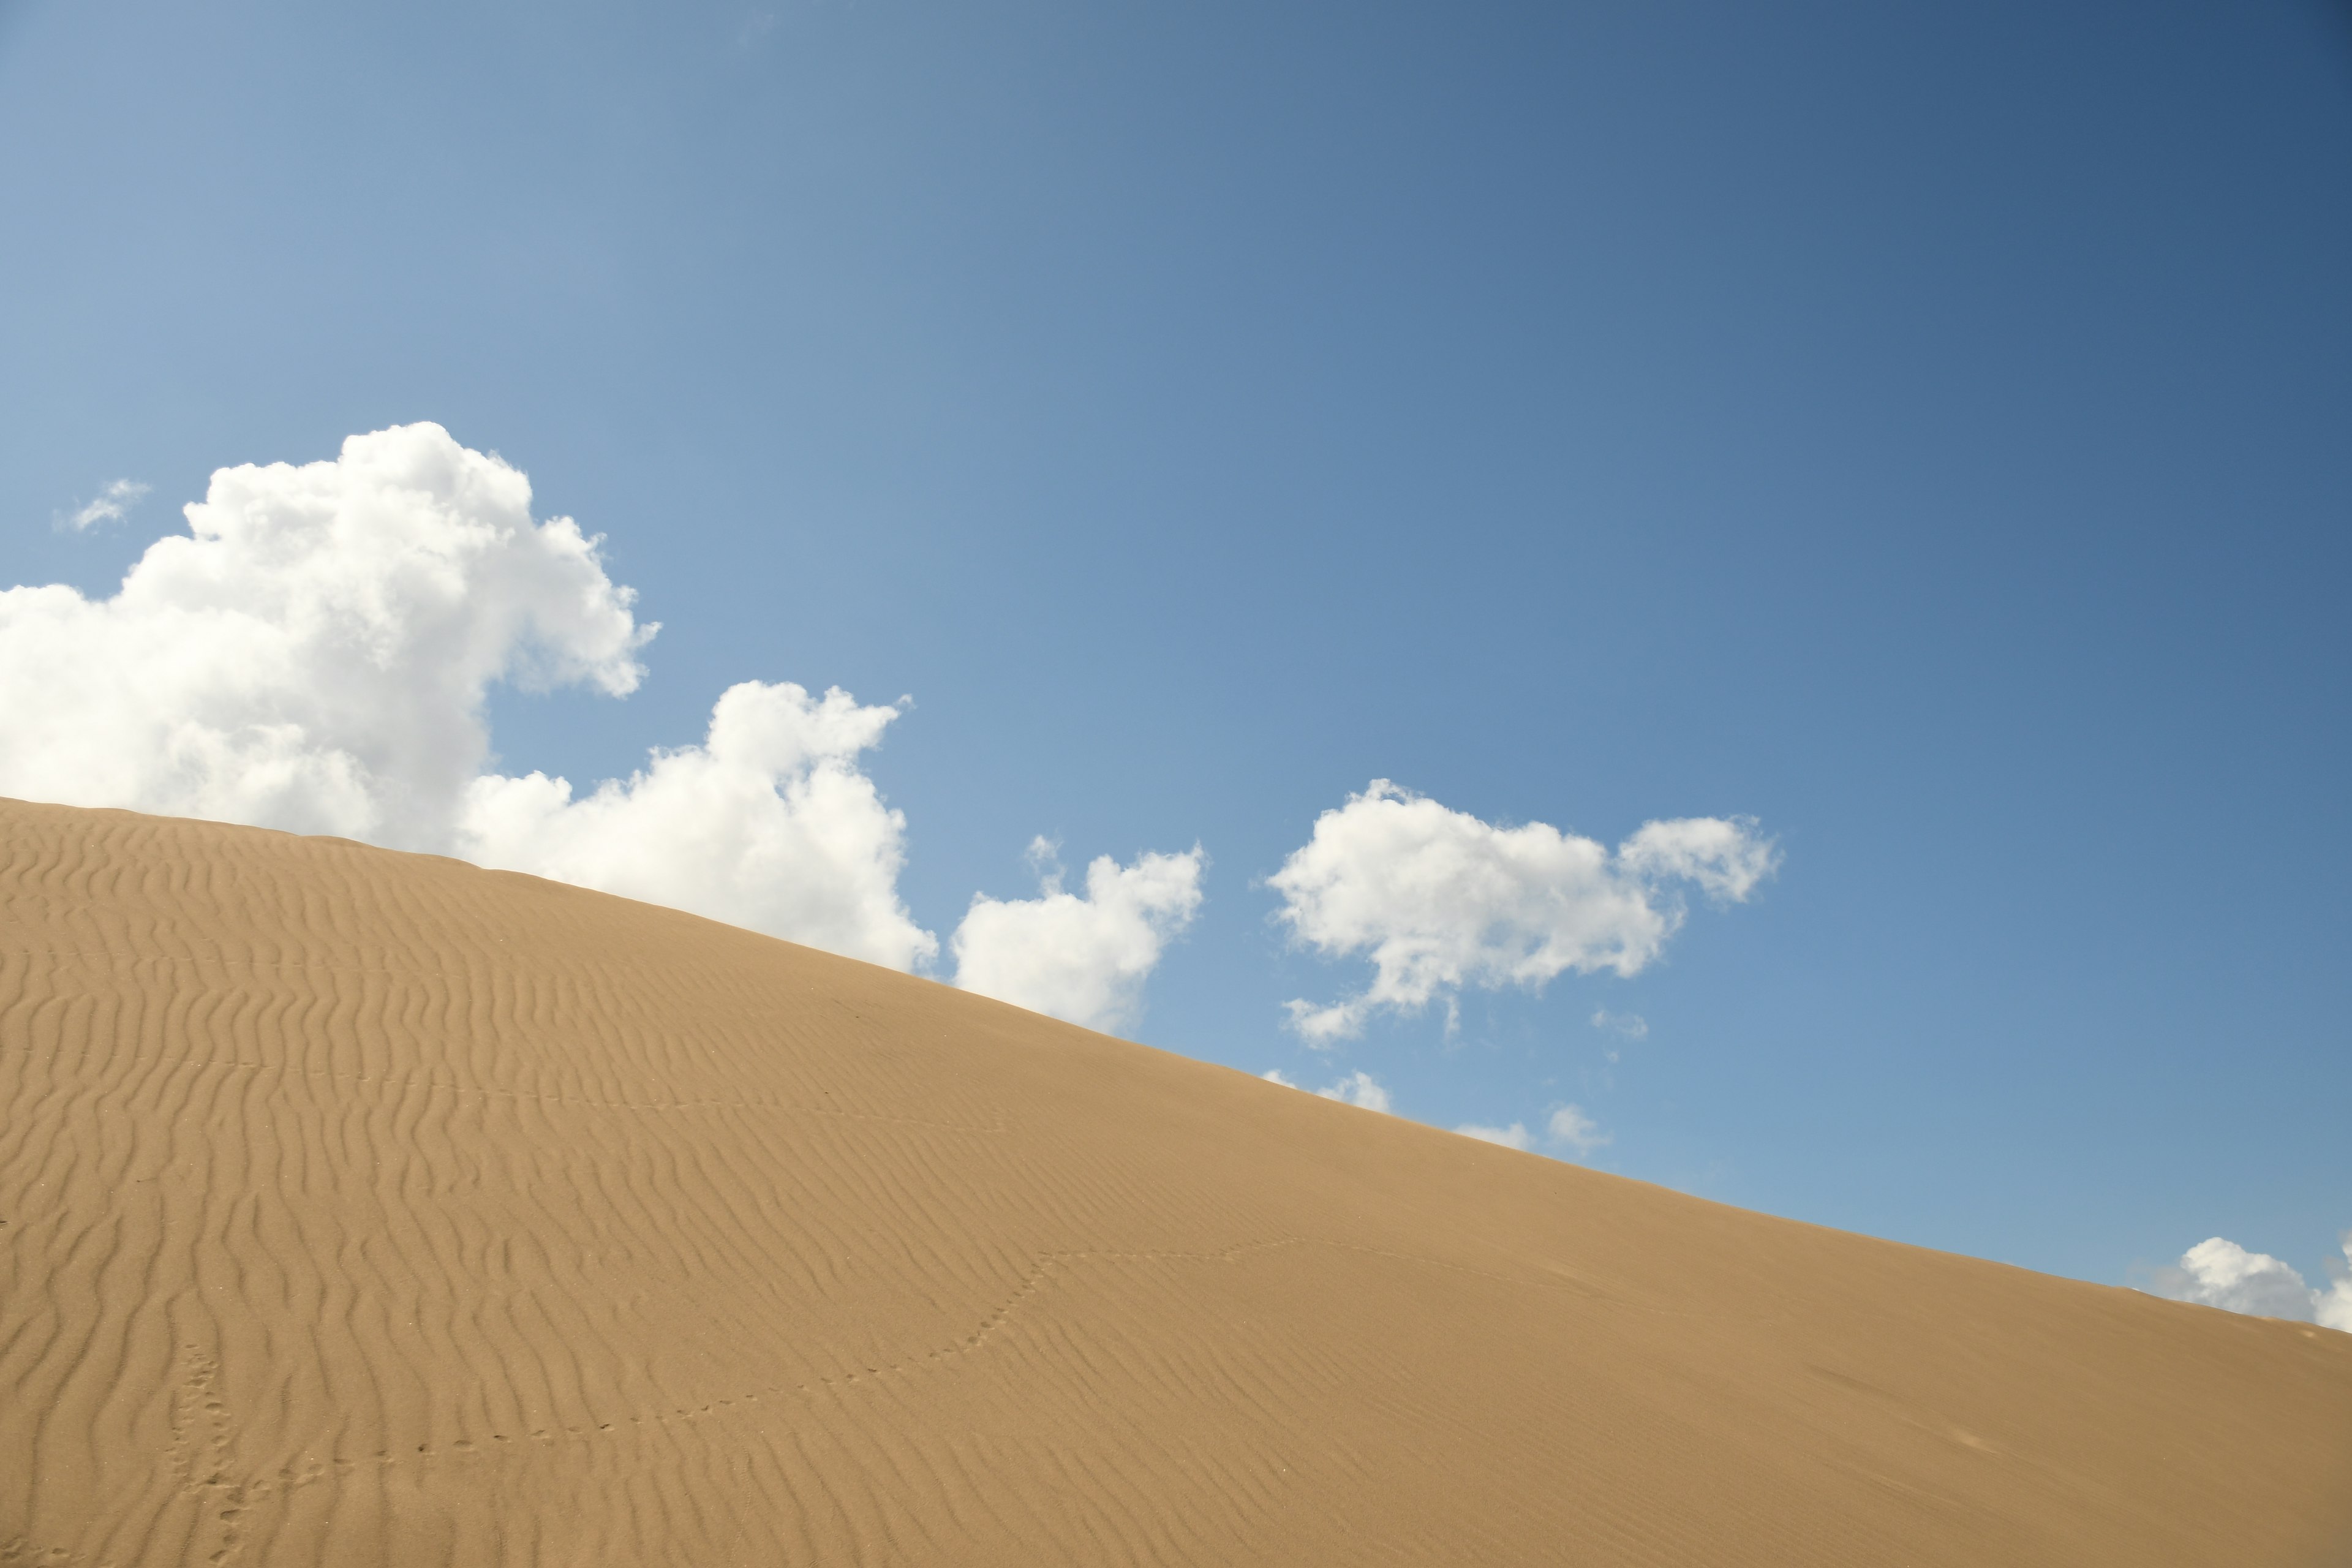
(1920, 427)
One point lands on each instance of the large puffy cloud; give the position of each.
(768, 824)
(1440, 900)
(2220, 1273)
(1079, 957)
(314, 653)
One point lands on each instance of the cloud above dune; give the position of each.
(768, 824)
(1572, 1130)
(1440, 900)
(1360, 1089)
(316, 652)
(1569, 1128)
(2220, 1273)
(1079, 957)
(315, 655)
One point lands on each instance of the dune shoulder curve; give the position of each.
(367, 1208)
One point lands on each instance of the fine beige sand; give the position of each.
(370, 1208)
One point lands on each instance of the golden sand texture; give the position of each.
(369, 1208)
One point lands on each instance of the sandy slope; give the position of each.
(363, 1207)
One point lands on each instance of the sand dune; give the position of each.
(371, 1208)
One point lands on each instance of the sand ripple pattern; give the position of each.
(361, 1208)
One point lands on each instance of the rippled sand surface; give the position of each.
(360, 1208)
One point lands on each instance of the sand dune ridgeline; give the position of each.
(368, 1208)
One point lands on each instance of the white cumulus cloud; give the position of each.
(314, 655)
(1439, 900)
(1083, 957)
(1357, 1089)
(2220, 1273)
(768, 824)
(111, 504)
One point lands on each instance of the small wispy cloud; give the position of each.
(1632, 1025)
(111, 504)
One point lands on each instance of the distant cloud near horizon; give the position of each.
(1571, 1128)
(315, 655)
(2220, 1273)
(1440, 900)
(1360, 1089)
(1083, 957)
(111, 504)
(1568, 1128)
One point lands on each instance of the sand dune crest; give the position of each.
(359, 1207)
